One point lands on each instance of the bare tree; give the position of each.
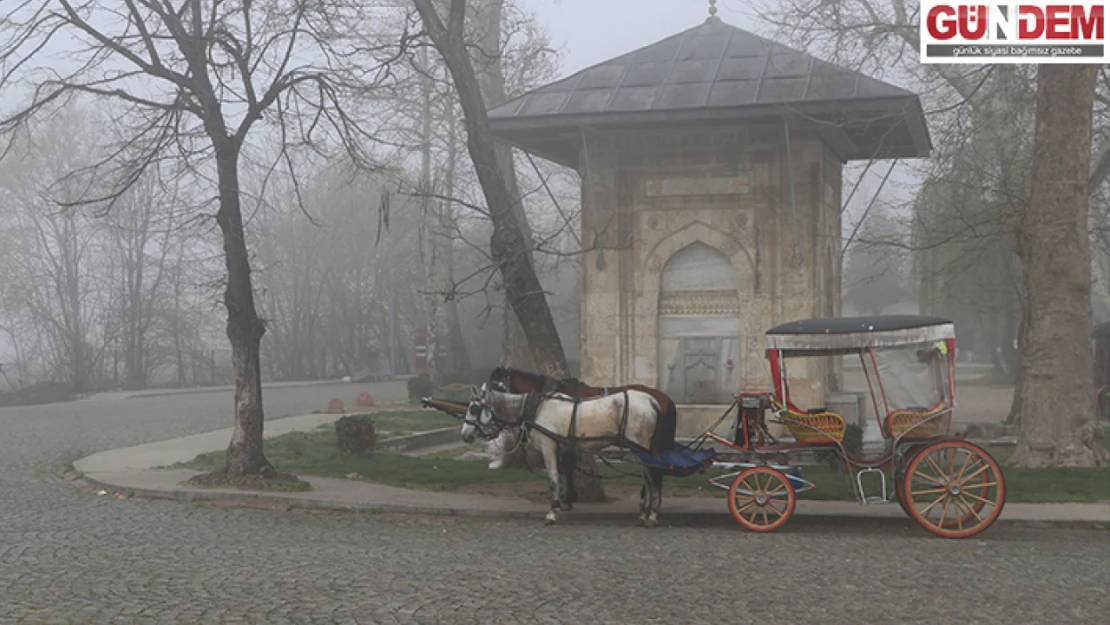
(140, 232)
(327, 284)
(50, 281)
(196, 79)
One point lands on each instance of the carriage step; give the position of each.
(866, 499)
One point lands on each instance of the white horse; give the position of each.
(626, 419)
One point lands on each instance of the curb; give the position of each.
(276, 501)
(273, 501)
(223, 389)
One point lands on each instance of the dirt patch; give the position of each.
(284, 482)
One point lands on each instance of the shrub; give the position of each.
(420, 386)
(356, 434)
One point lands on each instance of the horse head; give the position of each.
(479, 418)
(500, 379)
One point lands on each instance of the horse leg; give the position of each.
(656, 498)
(645, 498)
(548, 448)
(568, 466)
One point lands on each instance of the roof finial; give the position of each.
(713, 11)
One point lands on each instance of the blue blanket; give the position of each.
(679, 461)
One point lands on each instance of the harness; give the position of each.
(571, 437)
(533, 399)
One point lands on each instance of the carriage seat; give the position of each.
(915, 422)
(815, 426)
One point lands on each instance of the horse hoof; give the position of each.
(549, 519)
(640, 521)
(651, 523)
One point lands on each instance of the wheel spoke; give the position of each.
(944, 511)
(750, 489)
(976, 497)
(963, 468)
(940, 472)
(930, 506)
(970, 508)
(932, 491)
(929, 478)
(746, 506)
(982, 468)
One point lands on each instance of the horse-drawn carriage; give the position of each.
(951, 487)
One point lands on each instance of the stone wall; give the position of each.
(647, 195)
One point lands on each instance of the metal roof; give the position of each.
(716, 73)
(856, 325)
(851, 334)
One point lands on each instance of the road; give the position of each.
(72, 557)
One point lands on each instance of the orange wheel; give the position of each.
(761, 499)
(954, 489)
(900, 478)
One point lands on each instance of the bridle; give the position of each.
(473, 418)
(494, 427)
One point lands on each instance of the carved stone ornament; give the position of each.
(699, 303)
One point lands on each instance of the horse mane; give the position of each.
(502, 371)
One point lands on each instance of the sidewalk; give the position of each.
(191, 390)
(133, 471)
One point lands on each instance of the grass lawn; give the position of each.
(316, 453)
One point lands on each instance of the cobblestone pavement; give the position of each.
(71, 557)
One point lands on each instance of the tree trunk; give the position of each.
(510, 244)
(244, 328)
(1057, 425)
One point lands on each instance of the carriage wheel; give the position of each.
(761, 499)
(954, 489)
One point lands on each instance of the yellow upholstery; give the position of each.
(821, 427)
(902, 422)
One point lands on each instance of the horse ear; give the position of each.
(473, 391)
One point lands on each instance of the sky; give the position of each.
(591, 31)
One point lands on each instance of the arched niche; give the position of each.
(699, 326)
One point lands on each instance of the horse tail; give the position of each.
(666, 426)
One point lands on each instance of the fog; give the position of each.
(351, 260)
